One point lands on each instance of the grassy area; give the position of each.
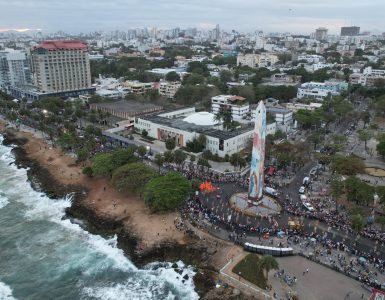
(250, 270)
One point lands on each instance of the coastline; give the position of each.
(57, 174)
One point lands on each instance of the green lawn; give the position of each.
(250, 271)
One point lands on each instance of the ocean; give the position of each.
(43, 256)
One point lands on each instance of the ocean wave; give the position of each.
(5, 292)
(155, 281)
(3, 201)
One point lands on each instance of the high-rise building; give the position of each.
(14, 68)
(216, 33)
(350, 31)
(321, 33)
(61, 66)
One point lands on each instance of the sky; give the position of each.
(296, 16)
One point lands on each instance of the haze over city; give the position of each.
(297, 16)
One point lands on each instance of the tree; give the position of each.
(380, 106)
(159, 160)
(364, 136)
(365, 117)
(132, 178)
(169, 156)
(381, 148)
(268, 263)
(225, 116)
(179, 157)
(144, 133)
(381, 221)
(172, 76)
(166, 192)
(170, 144)
(226, 76)
(357, 223)
(88, 171)
(337, 186)
(197, 144)
(203, 162)
(193, 79)
(142, 151)
(235, 159)
(121, 157)
(347, 165)
(102, 164)
(315, 138)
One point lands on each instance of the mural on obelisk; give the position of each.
(258, 154)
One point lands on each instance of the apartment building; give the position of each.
(237, 105)
(319, 90)
(168, 88)
(369, 77)
(61, 66)
(14, 69)
(264, 59)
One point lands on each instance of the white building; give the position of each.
(319, 90)
(264, 59)
(14, 68)
(311, 58)
(368, 77)
(297, 106)
(168, 88)
(185, 125)
(137, 87)
(237, 105)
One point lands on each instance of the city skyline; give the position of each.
(297, 16)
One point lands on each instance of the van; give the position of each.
(270, 191)
(306, 181)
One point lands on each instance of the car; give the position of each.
(302, 190)
(313, 172)
(308, 206)
(306, 181)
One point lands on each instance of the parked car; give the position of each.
(302, 190)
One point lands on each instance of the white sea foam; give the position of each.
(5, 292)
(3, 201)
(150, 283)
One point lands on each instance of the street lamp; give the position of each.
(148, 148)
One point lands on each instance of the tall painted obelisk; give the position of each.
(258, 154)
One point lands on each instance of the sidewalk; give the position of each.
(226, 275)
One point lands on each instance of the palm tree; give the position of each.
(364, 136)
(337, 186)
(159, 160)
(267, 263)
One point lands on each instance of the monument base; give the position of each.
(266, 206)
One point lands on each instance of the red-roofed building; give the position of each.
(62, 45)
(61, 66)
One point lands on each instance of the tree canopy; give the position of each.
(166, 192)
(132, 178)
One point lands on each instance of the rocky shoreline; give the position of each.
(194, 252)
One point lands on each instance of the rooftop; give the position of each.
(127, 106)
(225, 135)
(62, 44)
